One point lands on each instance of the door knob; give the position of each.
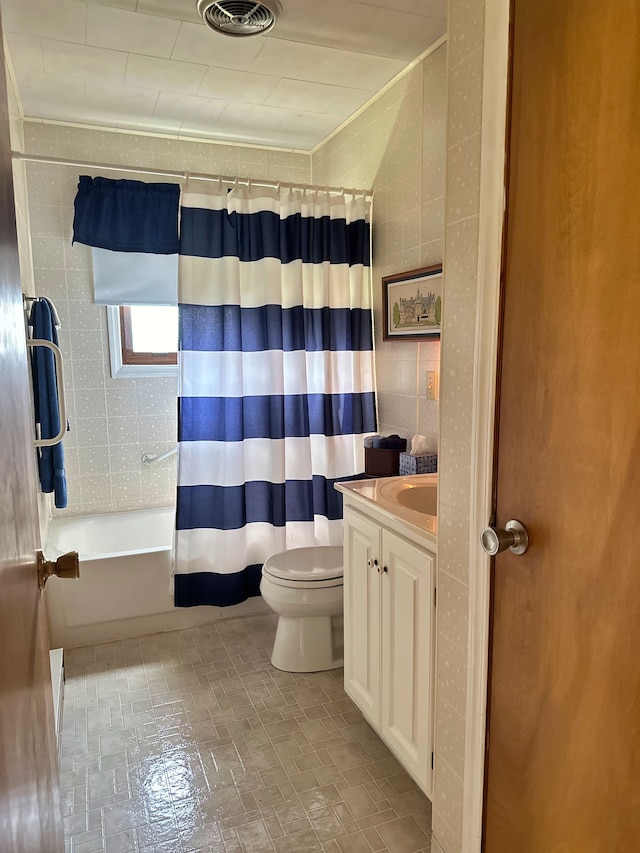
(66, 566)
(496, 539)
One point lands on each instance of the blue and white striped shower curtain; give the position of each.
(276, 379)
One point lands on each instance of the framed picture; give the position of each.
(412, 304)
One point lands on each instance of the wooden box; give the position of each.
(379, 462)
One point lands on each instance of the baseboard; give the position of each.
(435, 847)
(70, 637)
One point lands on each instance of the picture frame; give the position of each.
(412, 304)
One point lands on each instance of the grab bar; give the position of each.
(62, 406)
(149, 459)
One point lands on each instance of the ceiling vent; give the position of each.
(240, 18)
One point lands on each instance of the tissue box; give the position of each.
(427, 464)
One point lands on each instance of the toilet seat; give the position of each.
(306, 568)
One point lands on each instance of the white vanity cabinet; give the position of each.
(363, 614)
(389, 620)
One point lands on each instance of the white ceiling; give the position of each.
(152, 65)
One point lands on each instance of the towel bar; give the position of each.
(62, 407)
(148, 459)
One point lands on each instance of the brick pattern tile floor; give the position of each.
(191, 741)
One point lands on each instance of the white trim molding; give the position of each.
(491, 225)
(157, 134)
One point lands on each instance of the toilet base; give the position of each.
(307, 644)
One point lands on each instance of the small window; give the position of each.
(143, 340)
(149, 334)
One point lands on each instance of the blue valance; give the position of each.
(127, 216)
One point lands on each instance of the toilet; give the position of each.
(304, 587)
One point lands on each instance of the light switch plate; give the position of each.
(432, 384)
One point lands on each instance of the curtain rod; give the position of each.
(183, 176)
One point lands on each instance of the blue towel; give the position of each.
(47, 412)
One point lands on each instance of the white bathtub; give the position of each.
(115, 534)
(125, 576)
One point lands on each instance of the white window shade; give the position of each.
(132, 278)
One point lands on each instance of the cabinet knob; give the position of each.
(385, 569)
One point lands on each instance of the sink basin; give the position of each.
(419, 498)
(412, 498)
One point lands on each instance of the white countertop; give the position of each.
(382, 494)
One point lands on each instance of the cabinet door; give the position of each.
(407, 654)
(362, 614)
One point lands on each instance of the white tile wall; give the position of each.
(20, 192)
(16, 130)
(397, 147)
(466, 30)
(114, 421)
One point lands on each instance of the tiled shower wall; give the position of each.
(16, 126)
(16, 130)
(114, 421)
(397, 147)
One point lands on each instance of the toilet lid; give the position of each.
(306, 564)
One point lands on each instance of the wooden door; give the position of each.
(407, 647)
(563, 770)
(29, 808)
(362, 614)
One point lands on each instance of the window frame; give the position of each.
(126, 364)
(129, 355)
